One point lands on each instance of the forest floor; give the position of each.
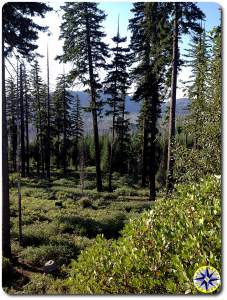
(59, 220)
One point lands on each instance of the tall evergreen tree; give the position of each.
(213, 132)
(77, 129)
(117, 82)
(203, 124)
(22, 136)
(186, 17)
(18, 32)
(149, 42)
(27, 113)
(38, 90)
(82, 33)
(61, 101)
(48, 136)
(11, 100)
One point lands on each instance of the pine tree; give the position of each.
(213, 132)
(48, 135)
(203, 124)
(18, 32)
(27, 97)
(77, 129)
(11, 100)
(83, 45)
(22, 136)
(197, 91)
(149, 42)
(38, 91)
(117, 82)
(62, 129)
(186, 17)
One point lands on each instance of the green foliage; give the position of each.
(59, 252)
(203, 125)
(158, 252)
(62, 123)
(44, 284)
(85, 202)
(15, 20)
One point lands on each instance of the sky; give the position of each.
(113, 10)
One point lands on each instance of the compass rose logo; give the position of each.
(206, 279)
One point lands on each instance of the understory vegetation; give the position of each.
(157, 252)
(60, 220)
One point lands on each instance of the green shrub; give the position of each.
(125, 191)
(43, 285)
(158, 252)
(38, 233)
(85, 202)
(13, 178)
(91, 169)
(59, 252)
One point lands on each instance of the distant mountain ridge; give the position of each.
(182, 105)
(132, 107)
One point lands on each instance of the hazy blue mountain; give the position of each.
(131, 106)
(134, 107)
(182, 106)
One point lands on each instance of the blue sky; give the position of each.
(112, 9)
(211, 10)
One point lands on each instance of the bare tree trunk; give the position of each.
(152, 160)
(48, 121)
(22, 123)
(58, 150)
(20, 116)
(171, 139)
(144, 154)
(94, 108)
(39, 128)
(64, 130)
(110, 188)
(38, 152)
(14, 144)
(26, 125)
(6, 244)
(19, 211)
(82, 167)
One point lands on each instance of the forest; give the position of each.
(134, 208)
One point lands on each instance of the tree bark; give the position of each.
(93, 107)
(152, 164)
(64, 130)
(6, 244)
(144, 154)
(48, 122)
(171, 138)
(26, 128)
(14, 143)
(22, 123)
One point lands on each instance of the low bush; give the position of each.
(61, 253)
(90, 169)
(159, 251)
(43, 285)
(38, 233)
(85, 202)
(13, 179)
